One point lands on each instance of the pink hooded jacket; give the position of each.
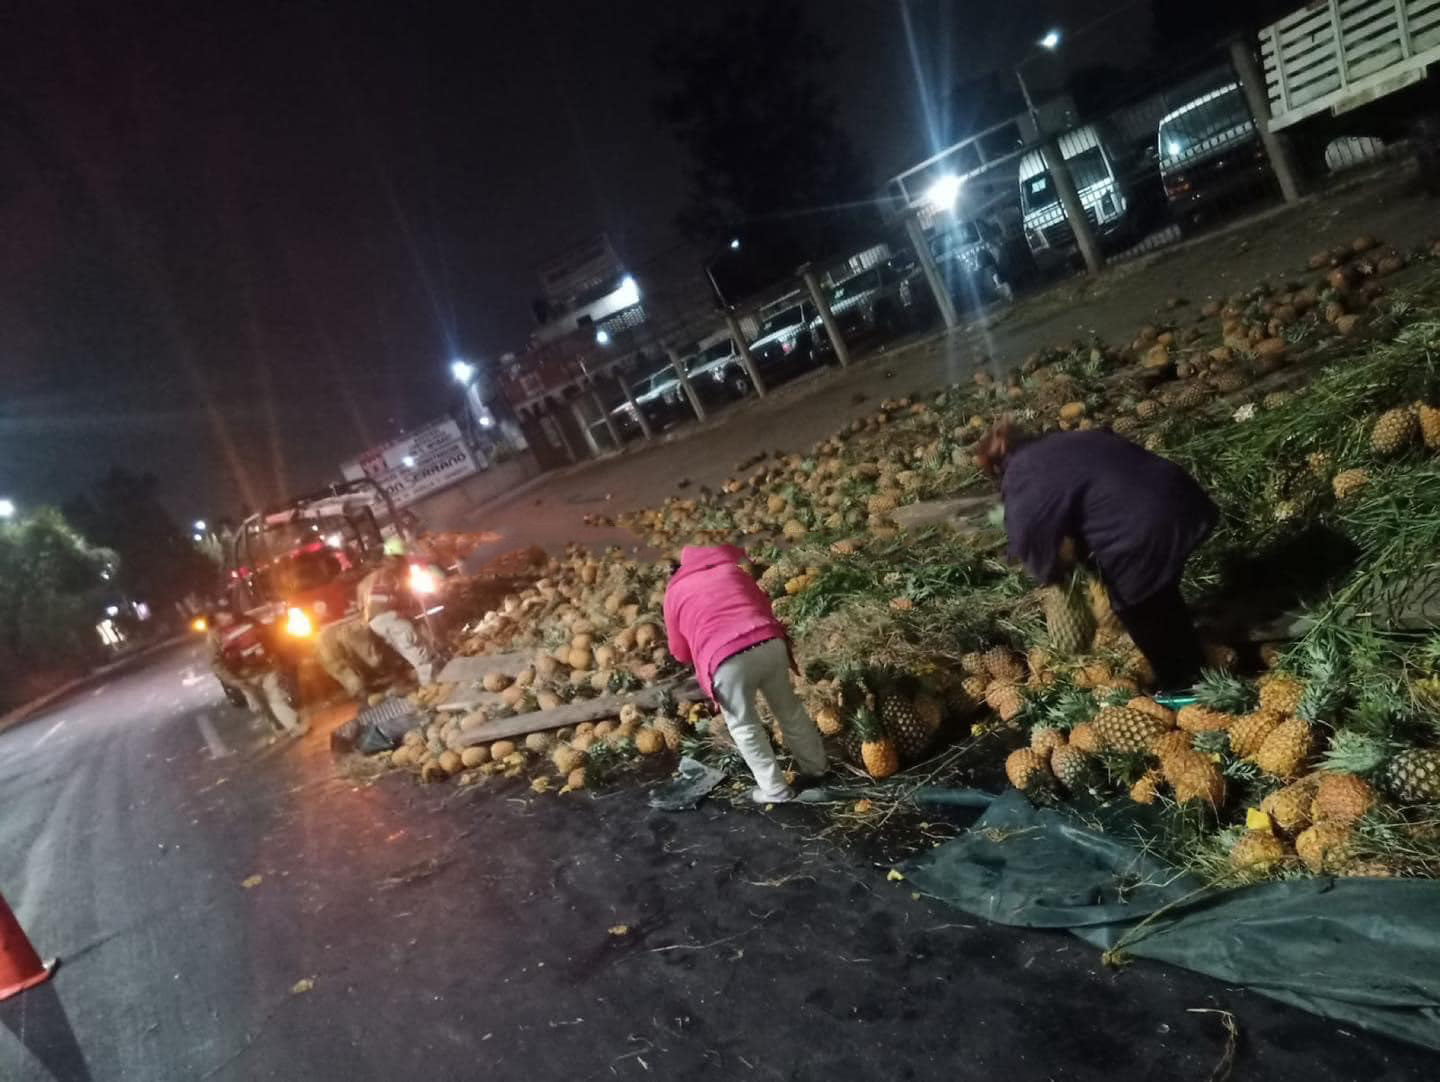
(714, 609)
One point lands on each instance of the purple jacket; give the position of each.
(1136, 516)
(714, 609)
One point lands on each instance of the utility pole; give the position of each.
(822, 305)
(640, 417)
(943, 300)
(684, 378)
(747, 359)
(1277, 147)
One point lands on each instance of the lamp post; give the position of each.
(1058, 168)
(464, 373)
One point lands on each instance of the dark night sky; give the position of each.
(239, 242)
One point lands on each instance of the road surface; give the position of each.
(231, 909)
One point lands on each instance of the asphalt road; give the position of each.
(397, 931)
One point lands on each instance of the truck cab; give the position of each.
(1209, 149)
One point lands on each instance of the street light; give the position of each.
(628, 292)
(463, 371)
(1050, 42)
(7, 508)
(199, 525)
(942, 194)
(734, 244)
(602, 337)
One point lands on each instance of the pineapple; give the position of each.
(1285, 750)
(1341, 798)
(911, 733)
(971, 694)
(1248, 731)
(1002, 664)
(1194, 777)
(1325, 846)
(1072, 766)
(1257, 851)
(1348, 483)
(1394, 431)
(1029, 773)
(1147, 789)
(670, 731)
(1171, 742)
(1429, 425)
(1221, 691)
(1068, 618)
(1201, 719)
(973, 664)
(1281, 693)
(828, 721)
(1125, 730)
(1045, 739)
(1410, 775)
(1105, 618)
(1005, 699)
(877, 751)
(1085, 738)
(1413, 776)
(1289, 807)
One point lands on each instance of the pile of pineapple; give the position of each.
(593, 626)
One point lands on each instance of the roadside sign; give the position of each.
(417, 464)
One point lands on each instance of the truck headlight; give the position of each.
(299, 624)
(423, 581)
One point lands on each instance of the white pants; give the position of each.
(400, 633)
(766, 669)
(267, 698)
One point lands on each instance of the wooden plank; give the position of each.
(472, 670)
(597, 709)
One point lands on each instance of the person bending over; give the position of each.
(719, 620)
(1134, 517)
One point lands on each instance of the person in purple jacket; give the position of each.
(1132, 516)
(719, 620)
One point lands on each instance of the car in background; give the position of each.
(1210, 149)
(976, 262)
(1099, 176)
(786, 342)
(659, 395)
(716, 371)
(881, 302)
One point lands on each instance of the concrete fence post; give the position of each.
(1059, 170)
(605, 416)
(640, 417)
(584, 426)
(943, 300)
(746, 357)
(684, 378)
(822, 305)
(1277, 147)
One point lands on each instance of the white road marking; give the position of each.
(217, 747)
(48, 733)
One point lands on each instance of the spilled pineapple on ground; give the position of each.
(1305, 406)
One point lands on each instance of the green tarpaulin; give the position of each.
(1364, 951)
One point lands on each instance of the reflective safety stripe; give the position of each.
(238, 631)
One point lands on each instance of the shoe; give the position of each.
(761, 797)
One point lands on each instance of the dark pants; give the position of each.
(1164, 632)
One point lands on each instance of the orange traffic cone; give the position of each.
(20, 966)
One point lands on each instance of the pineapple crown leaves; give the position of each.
(866, 724)
(1221, 691)
(1212, 742)
(1063, 706)
(1353, 752)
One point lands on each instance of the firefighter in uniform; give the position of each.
(385, 604)
(238, 655)
(350, 653)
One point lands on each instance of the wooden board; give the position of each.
(597, 709)
(472, 670)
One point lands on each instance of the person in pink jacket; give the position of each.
(720, 621)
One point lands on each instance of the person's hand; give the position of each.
(1066, 557)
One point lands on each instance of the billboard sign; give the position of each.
(417, 464)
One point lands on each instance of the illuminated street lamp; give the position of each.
(7, 508)
(1050, 42)
(942, 194)
(628, 292)
(602, 337)
(734, 244)
(463, 371)
(200, 526)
